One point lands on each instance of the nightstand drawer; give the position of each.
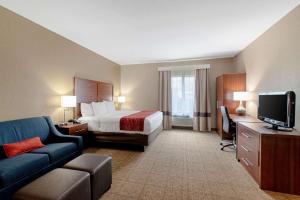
(73, 129)
(79, 130)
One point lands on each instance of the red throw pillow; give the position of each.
(13, 149)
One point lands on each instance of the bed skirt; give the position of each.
(125, 138)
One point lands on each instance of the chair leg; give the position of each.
(225, 143)
(233, 143)
(228, 145)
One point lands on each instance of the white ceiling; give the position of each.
(143, 31)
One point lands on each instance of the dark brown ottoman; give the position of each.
(99, 168)
(59, 184)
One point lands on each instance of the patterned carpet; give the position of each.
(182, 164)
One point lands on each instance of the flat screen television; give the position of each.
(277, 108)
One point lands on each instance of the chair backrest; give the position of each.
(225, 119)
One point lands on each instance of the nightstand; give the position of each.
(73, 129)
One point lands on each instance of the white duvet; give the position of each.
(110, 122)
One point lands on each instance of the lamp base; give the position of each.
(240, 110)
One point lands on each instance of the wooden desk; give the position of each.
(271, 157)
(246, 118)
(239, 118)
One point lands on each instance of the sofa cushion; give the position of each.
(57, 150)
(15, 168)
(18, 130)
(13, 149)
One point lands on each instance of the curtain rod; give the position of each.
(184, 67)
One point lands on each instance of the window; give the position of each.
(183, 83)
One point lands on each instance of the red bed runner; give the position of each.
(134, 122)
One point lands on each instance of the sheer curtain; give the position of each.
(183, 84)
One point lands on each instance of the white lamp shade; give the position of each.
(68, 101)
(121, 99)
(241, 96)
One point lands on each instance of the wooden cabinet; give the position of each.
(248, 150)
(270, 157)
(227, 84)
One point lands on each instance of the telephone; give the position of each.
(74, 121)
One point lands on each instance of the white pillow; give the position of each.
(110, 106)
(99, 108)
(86, 109)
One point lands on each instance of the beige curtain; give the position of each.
(165, 98)
(202, 110)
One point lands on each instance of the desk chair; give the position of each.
(228, 127)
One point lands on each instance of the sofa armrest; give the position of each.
(56, 136)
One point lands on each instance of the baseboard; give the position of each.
(190, 128)
(183, 127)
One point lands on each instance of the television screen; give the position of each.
(273, 107)
(277, 108)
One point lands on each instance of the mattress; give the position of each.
(110, 122)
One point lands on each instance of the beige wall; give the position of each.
(272, 62)
(139, 83)
(37, 66)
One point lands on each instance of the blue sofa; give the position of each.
(17, 171)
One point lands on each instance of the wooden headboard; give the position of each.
(87, 91)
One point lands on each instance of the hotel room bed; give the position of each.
(110, 122)
(105, 128)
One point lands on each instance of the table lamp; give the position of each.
(67, 102)
(240, 96)
(121, 99)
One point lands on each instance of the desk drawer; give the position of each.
(248, 138)
(248, 152)
(250, 167)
